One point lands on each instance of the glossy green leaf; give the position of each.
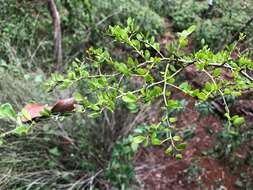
(129, 98)
(26, 114)
(169, 150)
(7, 111)
(177, 138)
(179, 156)
(181, 146)
(22, 129)
(238, 121)
(138, 139)
(154, 139)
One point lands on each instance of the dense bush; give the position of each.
(111, 88)
(215, 26)
(109, 83)
(23, 38)
(26, 35)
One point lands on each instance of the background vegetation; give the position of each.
(77, 152)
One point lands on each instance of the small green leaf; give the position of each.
(26, 114)
(45, 112)
(155, 140)
(183, 42)
(145, 142)
(57, 77)
(136, 44)
(177, 138)
(238, 121)
(172, 119)
(179, 156)
(54, 151)
(148, 78)
(191, 29)
(84, 73)
(141, 71)
(202, 96)
(209, 87)
(133, 107)
(66, 84)
(71, 75)
(173, 68)
(156, 46)
(173, 104)
(94, 114)
(147, 54)
(185, 86)
(7, 111)
(138, 139)
(94, 107)
(121, 67)
(129, 98)
(181, 146)
(236, 93)
(139, 37)
(20, 130)
(169, 150)
(134, 146)
(227, 91)
(131, 62)
(217, 72)
(78, 97)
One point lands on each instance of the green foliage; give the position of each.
(27, 31)
(105, 90)
(16, 87)
(109, 84)
(148, 20)
(215, 27)
(7, 111)
(104, 82)
(27, 35)
(120, 170)
(193, 172)
(57, 156)
(23, 36)
(237, 150)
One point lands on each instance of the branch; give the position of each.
(244, 73)
(57, 33)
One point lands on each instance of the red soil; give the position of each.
(159, 171)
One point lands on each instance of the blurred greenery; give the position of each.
(48, 158)
(216, 26)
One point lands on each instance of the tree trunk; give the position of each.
(57, 33)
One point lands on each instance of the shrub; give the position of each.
(216, 26)
(104, 91)
(102, 84)
(27, 33)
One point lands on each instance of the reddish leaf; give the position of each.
(61, 106)
(34, 110)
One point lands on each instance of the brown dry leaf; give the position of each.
(64, 105)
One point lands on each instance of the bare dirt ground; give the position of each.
(159, 171)
(197, 170)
